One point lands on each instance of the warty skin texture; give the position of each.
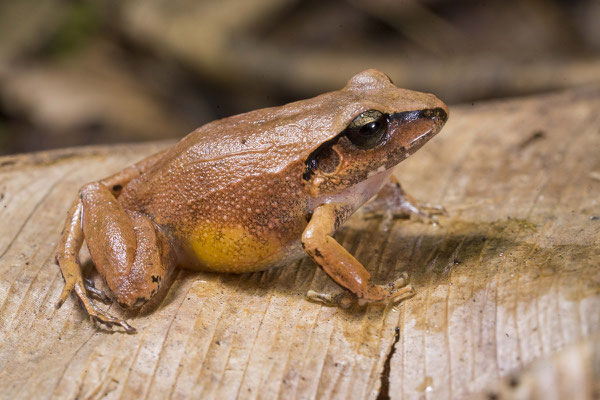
(250, 192)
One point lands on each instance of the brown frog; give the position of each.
(251, 192)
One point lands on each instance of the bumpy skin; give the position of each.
(235, 196)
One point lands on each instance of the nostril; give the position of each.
(441, 114)
(434, 113)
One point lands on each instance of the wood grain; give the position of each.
(511, 275)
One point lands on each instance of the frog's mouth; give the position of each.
(414, 129)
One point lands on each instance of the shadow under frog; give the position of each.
(433, 261)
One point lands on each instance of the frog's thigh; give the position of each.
(128, 251)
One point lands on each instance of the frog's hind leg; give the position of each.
(67, 257)
(130, 253)
(67, 251)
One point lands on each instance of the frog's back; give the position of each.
(223, 153)
(264, 140)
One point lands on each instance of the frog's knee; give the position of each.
(132, 300)
(88, 188)
(128, 305)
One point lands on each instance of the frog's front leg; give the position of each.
(342, 267)
(393, 202)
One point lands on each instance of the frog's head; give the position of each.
(378, 125)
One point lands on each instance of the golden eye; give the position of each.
(367, 130)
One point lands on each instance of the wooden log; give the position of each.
(511, 275)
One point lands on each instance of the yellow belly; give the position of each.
(233, 249)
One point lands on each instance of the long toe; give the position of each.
(343, 299)
(96, 293)
(110, 321)
(401, 281)
(66, 292)
(402, 294)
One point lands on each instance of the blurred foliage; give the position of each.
(82, 72)
(79, 24)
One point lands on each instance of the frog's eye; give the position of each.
(367, 130)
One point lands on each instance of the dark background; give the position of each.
(83, 72)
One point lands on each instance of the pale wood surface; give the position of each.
(511, 275)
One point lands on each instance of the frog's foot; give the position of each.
(89, 286)
(393, 202)
(70, 282)
(423, 211)
(108, 320)
(344, 299)
(98, 294)
(81, 289)
(391, 293)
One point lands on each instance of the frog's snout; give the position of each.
(415, 128)
(437, 114)
(435, 118)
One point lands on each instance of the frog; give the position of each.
(250, 192)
